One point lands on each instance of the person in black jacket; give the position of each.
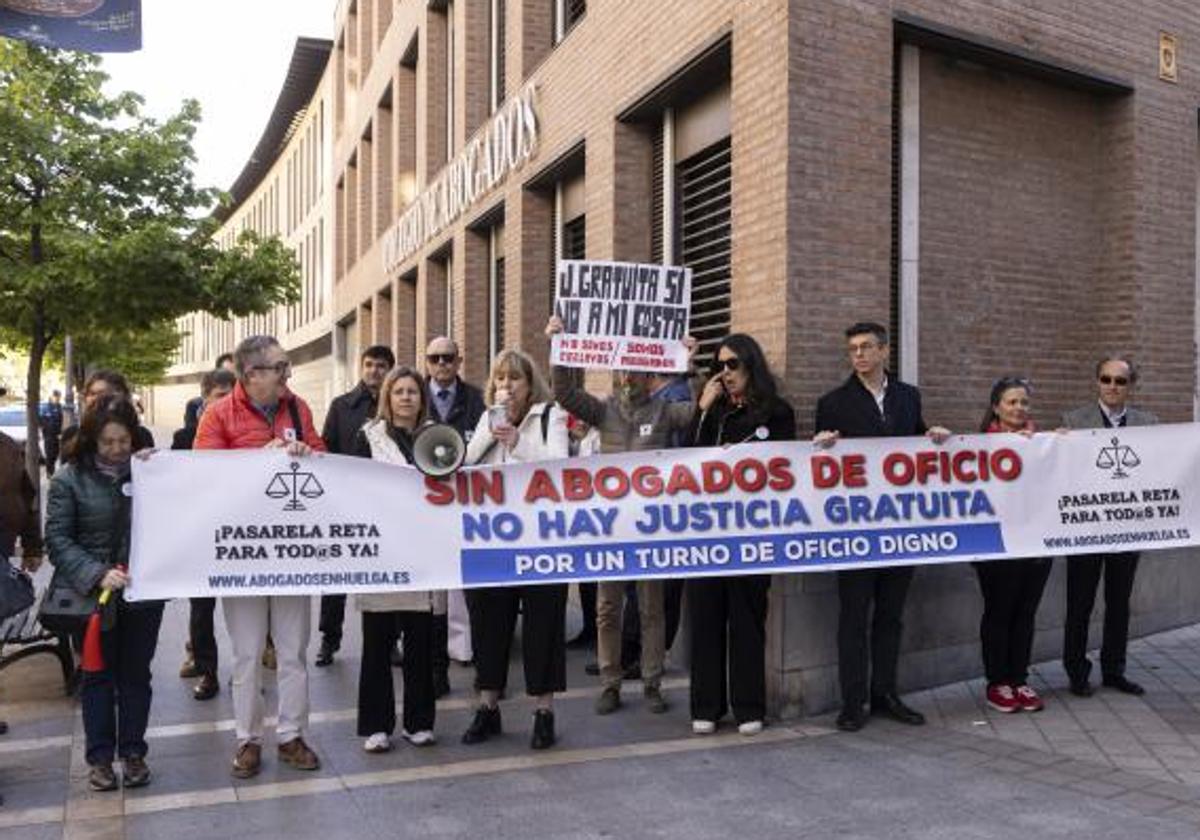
(728, 615)
(346, 416)
(191, 411)
(459, 404)
(871, 403)
(201, 659)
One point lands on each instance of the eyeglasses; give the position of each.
(865, 347)
(280, 368)
(732, 363)
(1120, 381)
(441, 358)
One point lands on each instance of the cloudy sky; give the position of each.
(231, 55)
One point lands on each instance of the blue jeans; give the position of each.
(116, 701)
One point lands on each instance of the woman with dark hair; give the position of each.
(522, 424)
(389, 616)
(87, 535)
(728, 615)
(1012, 589)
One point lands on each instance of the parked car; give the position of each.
(12, 423)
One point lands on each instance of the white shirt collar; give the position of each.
(1113, 417)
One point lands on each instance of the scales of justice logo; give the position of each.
(294, 484)
(1118, 457)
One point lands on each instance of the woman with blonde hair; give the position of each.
(522, 424)
(391, 616)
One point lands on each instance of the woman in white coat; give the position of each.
(523, 424)
(388, 616)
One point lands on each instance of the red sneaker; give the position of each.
(1000, 697)
(1029, 700)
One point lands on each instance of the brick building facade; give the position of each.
(1010, 184)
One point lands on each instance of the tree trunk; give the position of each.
(33, 396)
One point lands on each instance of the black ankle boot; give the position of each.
(543, 730)
(485, 724)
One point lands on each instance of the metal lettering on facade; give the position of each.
(503, 145)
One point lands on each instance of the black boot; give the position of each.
(543, 730)
(484, 725)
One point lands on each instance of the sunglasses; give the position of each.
(732, 363)
(441, 358)
(1122, 381)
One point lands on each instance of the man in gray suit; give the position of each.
(1115, 378)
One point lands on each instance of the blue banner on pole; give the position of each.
(86, 25)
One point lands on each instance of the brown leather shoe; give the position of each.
(247, 761)
(297, 753)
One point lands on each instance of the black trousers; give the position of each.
(1083, 578)
(728, 620)
(1012, 590)
(543, 610)
(202, 635)
(376, 693)
(115, 702)
(869, 641)
(333, 615)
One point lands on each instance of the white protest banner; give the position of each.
(625, 316)
(256, 522)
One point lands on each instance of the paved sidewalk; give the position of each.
(1110, 766)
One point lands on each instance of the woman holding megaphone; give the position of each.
(522, 424)
(388, 616)
(87, 536)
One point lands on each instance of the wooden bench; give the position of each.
(22, 636)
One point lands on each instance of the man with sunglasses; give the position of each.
(263, 413)
(459, 404)
(871, 403)
(1115, 378)
(347, 414)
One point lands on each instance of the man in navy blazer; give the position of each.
(1115, 378)
(871, 403)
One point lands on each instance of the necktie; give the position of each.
(443, 395)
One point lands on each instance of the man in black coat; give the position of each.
(202, 640)
(455, 403)
(346, 416)
(871, 403)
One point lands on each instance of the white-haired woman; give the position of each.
(522, 425)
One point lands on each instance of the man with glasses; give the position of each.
(455, 403)
(871, 403)
(346, 416)
(263, 413)
(1115, 378)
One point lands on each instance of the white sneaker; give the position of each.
(423, 738)
(703, 727)
(750, 727)
(378, 743)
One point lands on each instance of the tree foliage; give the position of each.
(103, 230)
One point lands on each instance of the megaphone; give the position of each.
(438, 449)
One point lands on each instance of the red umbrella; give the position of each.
(93, 656)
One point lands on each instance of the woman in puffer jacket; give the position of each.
(388, 616)
(523, 424)
(87, 537)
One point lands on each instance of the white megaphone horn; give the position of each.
(438, 449)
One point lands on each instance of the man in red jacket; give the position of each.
(262, 412)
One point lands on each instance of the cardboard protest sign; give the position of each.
(624, 316)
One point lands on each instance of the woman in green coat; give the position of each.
(87, 537)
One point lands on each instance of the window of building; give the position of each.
(497, 52)
(496, 291)
(567, 13)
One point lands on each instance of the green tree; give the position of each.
(103, 231)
